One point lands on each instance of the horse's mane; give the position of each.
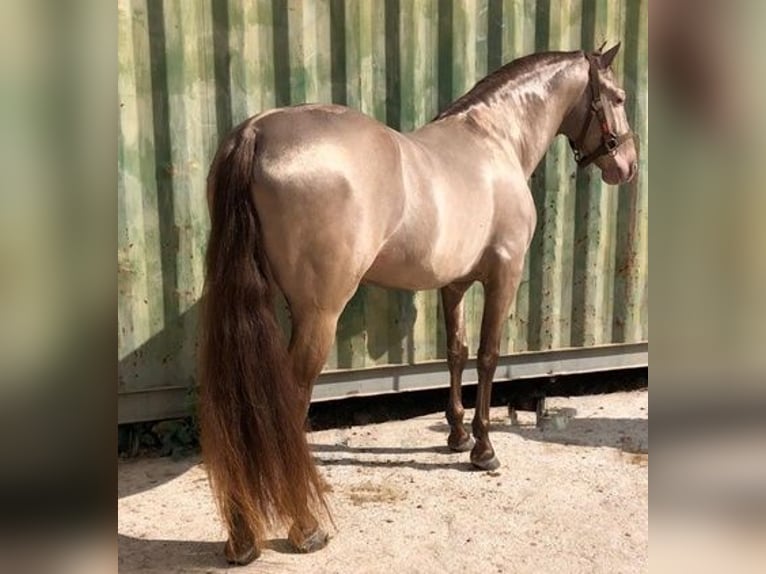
(489, 85)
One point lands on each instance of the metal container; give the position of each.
(190, 70)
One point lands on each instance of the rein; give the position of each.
(609, 140)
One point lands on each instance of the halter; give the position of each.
(609, 140)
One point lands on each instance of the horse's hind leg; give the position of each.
(499, 292)
(457, 355)
(240, 549)
(312, 337)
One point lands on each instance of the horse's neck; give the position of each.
(537, 109)
(526, 114)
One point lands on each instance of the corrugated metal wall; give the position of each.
(190, 70)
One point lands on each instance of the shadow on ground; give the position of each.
(616, 433)
(381, 456)
(137, 475)
(140, 555)
(629, 435)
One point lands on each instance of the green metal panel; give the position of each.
(189, 71)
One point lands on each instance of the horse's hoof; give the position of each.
(461, 446)
(315, 541)
(490, 463)
(242, 556)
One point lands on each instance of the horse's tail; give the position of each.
(251, 416)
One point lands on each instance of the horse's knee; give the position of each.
(486, 361)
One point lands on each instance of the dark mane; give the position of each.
(489, 85)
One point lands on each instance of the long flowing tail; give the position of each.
(253, 442)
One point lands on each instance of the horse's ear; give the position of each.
(608, 56)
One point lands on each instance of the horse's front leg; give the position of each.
(499, 292)
(457, 354)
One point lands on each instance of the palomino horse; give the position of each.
(316, 199)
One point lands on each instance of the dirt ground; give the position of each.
(564, 500)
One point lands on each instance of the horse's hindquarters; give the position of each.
(325, 207)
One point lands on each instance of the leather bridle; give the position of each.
(609, 140)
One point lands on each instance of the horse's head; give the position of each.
(602, 134)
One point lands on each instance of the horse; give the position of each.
(314, 200)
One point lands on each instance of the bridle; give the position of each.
(609, 140)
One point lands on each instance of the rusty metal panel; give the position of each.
(189, 71)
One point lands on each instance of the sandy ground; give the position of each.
(571, 500)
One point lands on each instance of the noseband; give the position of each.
(609, 140)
